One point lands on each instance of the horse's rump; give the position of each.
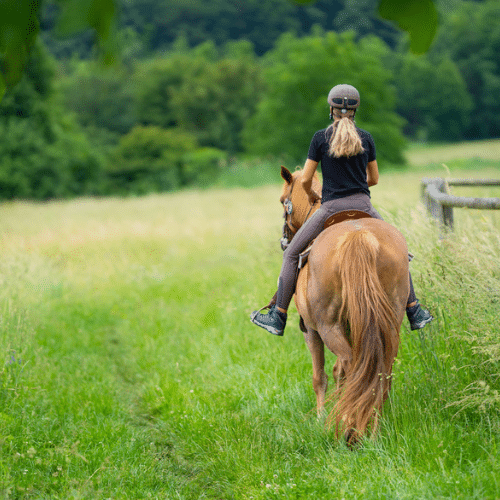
(319, 289)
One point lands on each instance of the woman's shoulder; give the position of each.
(364, 132)
(322, 131)
(365, 135)
(321, 135)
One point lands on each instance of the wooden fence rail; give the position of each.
(435, 194)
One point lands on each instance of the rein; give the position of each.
(289, 228)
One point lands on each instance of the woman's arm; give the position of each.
(372, 173)
(307, 177)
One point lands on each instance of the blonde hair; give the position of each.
(345, 140)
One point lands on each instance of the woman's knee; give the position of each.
(291, 254)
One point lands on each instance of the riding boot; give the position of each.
(418, 317)
(274, 321)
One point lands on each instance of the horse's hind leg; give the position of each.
(336, 340)
(320, 378)
(338, 372)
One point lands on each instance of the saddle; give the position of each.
(334, 219)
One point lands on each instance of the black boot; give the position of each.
(274, 321)
(418, 317)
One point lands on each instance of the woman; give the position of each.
(349, 168)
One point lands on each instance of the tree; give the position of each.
(199, 92)
(20, 23)
(231, 19)
(471, 38)
(300, 72)
(101, 97)
(160, 22)
(150, 158)
(362, 17)
(36, 136)
(432, 97)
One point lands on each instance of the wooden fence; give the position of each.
(435, 194)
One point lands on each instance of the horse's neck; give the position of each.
(308, 211)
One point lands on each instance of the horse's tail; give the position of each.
(371, 324)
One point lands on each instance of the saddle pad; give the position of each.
(346, 215)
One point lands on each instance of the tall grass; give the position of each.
(129, 367)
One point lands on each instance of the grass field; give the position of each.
(423, 155)
(130, 369)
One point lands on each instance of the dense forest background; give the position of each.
(198, 85)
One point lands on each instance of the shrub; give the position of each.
(150, 158)
(203, 166)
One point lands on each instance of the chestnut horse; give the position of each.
(351, 296)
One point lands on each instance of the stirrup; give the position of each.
(252, 316)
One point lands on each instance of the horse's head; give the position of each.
(295, 201)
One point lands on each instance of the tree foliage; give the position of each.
(161, 22)
(200, 80)
(20, 23)
(43, 154)
(101, 97)
(432, 98)
(419, 18)
(150, 158)
(471, 38)
(198, 92)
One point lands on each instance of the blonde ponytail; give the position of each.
(345, 140)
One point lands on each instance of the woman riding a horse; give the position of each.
(349, 168)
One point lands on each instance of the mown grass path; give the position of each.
(129, 368)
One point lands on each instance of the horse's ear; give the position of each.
(286, 174)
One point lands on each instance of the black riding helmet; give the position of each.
(343, 97)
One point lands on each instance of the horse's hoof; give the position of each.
(351, 438)
(321, 414)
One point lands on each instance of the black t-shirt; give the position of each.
(342, 176)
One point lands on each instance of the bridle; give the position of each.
(289, 228)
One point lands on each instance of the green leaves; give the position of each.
(18, 30)
(211, 99)
(417, 17)
(19, 27)
(79, 15)
(3, 87)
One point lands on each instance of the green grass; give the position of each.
(429, 154)
(129, 368)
